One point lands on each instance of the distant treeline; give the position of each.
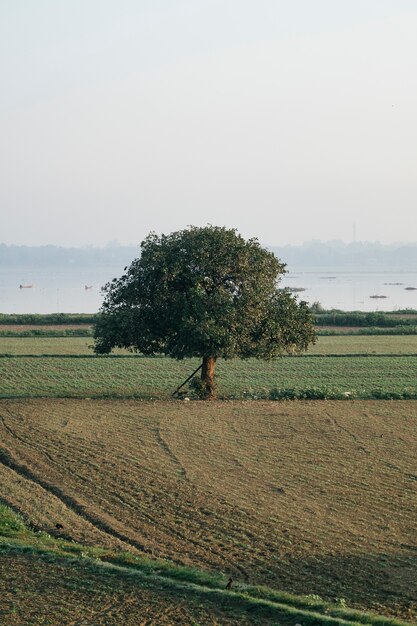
(332, 322)
(356, 256)
(57, 257)
(333, 255)
(48, 332)
(358, 318)
(334, 317)
(46, 319)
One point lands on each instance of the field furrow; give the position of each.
(313, 497)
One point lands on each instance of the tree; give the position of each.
(207, 293)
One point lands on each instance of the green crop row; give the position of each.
(333, 376)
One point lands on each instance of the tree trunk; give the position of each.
(207, 376)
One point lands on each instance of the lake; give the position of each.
(63, 290)
(352, 291)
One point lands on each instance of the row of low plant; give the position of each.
(321, 332)
(48, 332)
(360, 322)
(333, 317)
(46, 319)
(312, 393)
(358, 318)
(326, 393)
(16, 538)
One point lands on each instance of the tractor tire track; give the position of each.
(102, 525)
(17, 437)
(97, 522)
(167, 449)
(7, 460)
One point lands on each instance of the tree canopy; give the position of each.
(203, 292)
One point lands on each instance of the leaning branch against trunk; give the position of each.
(186, 381)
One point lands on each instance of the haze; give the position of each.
(287, 120)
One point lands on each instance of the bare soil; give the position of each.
(308, 497)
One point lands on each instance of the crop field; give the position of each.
(349, 344)
(312, 498)
(45, 345)
(307, 497)
(21, 328)
(130, 376)
(371, 344)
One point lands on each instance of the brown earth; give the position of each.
(308, 497)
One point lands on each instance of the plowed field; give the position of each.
(314, 498)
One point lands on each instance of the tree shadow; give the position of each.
(385, 582)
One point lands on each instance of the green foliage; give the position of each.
(310, 393)
(203, 292)
(199, 388)
(11, 524)
(385, 394)
(327, 393)
(317, 307)
(284, 394)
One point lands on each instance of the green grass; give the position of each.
(326, 331)
(47, 345)
(356, 344)
(16, 539)
(366, 377)
(341, 344)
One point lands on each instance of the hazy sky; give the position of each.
(287, 119)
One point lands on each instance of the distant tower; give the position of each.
(354, 232)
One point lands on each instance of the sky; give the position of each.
(289, 121)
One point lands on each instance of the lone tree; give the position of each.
(207, 293)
